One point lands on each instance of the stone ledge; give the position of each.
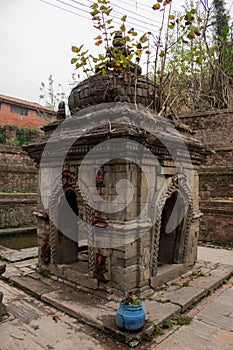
(14, 230)
(18, 197)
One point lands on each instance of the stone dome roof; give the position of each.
(113, 87)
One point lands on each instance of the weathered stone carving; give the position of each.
(61, 113)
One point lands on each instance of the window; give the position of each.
(18, 110)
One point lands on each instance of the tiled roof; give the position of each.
(29, 105)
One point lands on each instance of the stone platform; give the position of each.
(99, 309)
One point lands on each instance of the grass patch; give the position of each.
(184, 320)
(180, 320)
(45, 273)
(185, 284)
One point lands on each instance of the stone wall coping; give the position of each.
(217, 201)
(226, 169)
(25, 198)
(207, 113)
(11, 149)
(20, 194)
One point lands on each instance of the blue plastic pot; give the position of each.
(130, 318)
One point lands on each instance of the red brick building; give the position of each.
(14, 111)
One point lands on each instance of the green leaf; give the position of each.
(191, 35)
(94, 13)
(199, 60)
(103, 8)
(94, 5)
(98, 43)
(162, 54)
(108, 11)
(122, 28)
(84, 53)
(75, 49)
(102, 57)
(74, 60)
(123, 18)
(143, 39)
(78, 65)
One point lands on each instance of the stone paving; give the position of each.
(210, 329)
(171, 299)
(33, 325)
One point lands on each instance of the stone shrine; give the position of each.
(119, 185)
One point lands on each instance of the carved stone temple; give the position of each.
(129, 179)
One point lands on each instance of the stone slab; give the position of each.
(222, 256)
(69, 301)
(158, 312)
(207, 282)
(10, 293)
(167, 273)
(29, 262)
(197, 336)
(33, 286)
(184, 297)
(223, 271)
(11, 271)
(219, 313)
(12, 255)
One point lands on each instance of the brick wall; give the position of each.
(18, 175)
(217, 221)
(16, 210)
(215, 130)
(17, 171)
(32, 119)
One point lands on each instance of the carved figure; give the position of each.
(61, 113)
(45, 251)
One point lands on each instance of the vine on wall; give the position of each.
(15, 135)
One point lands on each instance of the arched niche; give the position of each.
(170, 246)
(172, 230)
(67, 248)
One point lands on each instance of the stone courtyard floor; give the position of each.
(46, 313)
